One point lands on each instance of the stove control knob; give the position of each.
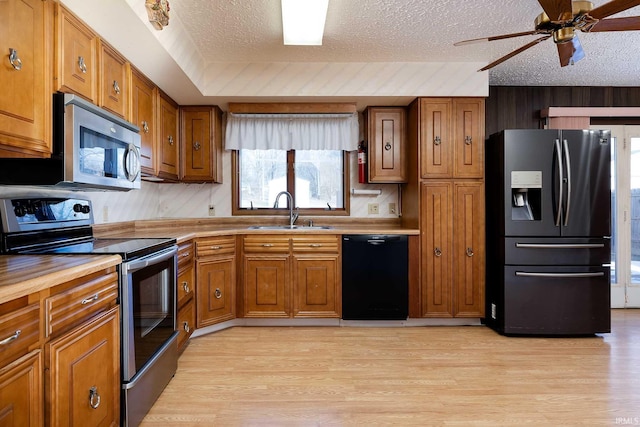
(77, 207)
(20, 211)
(31, 208)
(85, 209)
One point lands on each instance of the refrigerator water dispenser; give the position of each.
(526, 193)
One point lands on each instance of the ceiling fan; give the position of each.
(561, 19)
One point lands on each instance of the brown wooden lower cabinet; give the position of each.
(185, 294)
(21, 391)
(83, 374)
(316, 286)
(216, 290)
(266, 285)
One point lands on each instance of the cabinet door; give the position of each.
(21, 392)
(186, 286)
(266, 286)
(113, 91)
(386, 145)
(143, 113)
(25, 104)
(168, 142)
(469, 248)
(468, 137)
(436, 148)
(436, 230)
(186, 324)
(83, 372)
(215, 291)
(200, 142)
(316, 287)
(76, 56)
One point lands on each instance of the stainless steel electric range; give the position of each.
(147, 287)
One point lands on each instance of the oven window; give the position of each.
(153, 309)
(101, 155)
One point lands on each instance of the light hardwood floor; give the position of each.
(422, 376)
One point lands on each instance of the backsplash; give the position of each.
(156, 200)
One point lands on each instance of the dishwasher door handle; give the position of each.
(376, 242)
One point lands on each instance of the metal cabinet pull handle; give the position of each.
(16, 63)
(216, 248)
(387, 146)
(315, 245)
(90, 299)
(469, 252)
(170, 138)
(186, 327)
(13, 337)
(267, 245)
(196, 146)
(186, 254)
(468, 140)
(185, 286)
(437, 252)
(437, 140)
(145, 126)
(94, 397)
(116, 87)
(81, 65)
(218, 293)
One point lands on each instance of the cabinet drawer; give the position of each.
(185, 255)
(19, 330)
(215, 246)
(185, 286)
(75, 305)
(186, 324)
(315, 243)
(266, 243)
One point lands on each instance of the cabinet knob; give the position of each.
(185, 286)
(145, 126)
(196, 146)
(170, 139)
(81, 65)
(16, 63)
(10, 338)
(468, 140)
(94, 397)
(387, 146)
(437, 252)
(218, 293)
(185, 326)
(116, 87)
(469, 252)
(437, 140)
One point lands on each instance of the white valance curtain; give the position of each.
(292, 132)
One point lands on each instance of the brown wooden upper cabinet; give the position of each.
(144, 99)
(201, 144)
(451, 137)
(168, 137)
(25, 104)
(76, 56)
(113, 91)
(385, 131)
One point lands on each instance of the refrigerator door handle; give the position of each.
(561, 174)
(559, 275)
(567, 159)
(560, 245)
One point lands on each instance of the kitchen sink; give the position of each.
(287, 227)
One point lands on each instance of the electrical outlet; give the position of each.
(105, 213)
(374, 208)
(392, 208)
(212, 210)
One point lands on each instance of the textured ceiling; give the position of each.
(408, 31)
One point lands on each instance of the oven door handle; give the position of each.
(131, 266)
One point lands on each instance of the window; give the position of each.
(317, 180)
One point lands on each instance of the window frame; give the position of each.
(236, 210)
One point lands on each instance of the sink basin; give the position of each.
(287, 227)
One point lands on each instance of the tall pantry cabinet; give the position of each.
(447, 179)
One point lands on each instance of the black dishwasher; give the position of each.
(375, 277)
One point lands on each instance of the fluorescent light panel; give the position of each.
(303, 21)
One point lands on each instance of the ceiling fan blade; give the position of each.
(632, 23)
(492, 38)
(613, 7)
(557, 10)
(570, 52)
(515, 52)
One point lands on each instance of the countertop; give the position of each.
(22, 275)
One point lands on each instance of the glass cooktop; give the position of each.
(126, 248)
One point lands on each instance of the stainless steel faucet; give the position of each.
(293, 216)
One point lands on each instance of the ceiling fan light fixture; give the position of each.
(563, 35)
(303, 21)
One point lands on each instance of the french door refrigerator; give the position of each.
(548, 232)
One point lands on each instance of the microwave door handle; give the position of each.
(561, 178)
(132, 162)
(567, 159)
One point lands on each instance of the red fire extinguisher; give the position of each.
(362, 164)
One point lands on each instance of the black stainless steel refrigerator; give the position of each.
(548, 232)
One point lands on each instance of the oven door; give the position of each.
(148, 303)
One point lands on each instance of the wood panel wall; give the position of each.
(518, 107)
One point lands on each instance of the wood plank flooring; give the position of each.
(422, 376)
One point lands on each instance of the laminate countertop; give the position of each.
(22, 275)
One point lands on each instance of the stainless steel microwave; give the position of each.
(92, 149)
